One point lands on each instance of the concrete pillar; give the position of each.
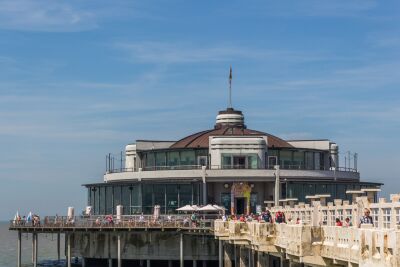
(109, 262)
(170, 263)
(181, 261)
(203, 168)
(259, 259)
(83, 262)
(68, 250)
(148, 263)
(243, 257)
(220, 254)
(35, 256)
(227, 256)
(281, 261)
(19, 249)
(277, 185)
(194, 263)
(33, 247)
(58, 247)
(119, 251)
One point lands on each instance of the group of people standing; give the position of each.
(280, 217)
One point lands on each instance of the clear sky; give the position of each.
(79, 79)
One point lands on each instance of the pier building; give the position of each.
(229, 165)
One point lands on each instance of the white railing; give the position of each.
(385, 215)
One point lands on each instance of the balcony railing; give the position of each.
(230, 167)
(112, 221)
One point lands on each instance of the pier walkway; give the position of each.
(315, 240)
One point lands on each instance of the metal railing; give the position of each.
(229, 167)
(126, 221)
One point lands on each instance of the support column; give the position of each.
(194, 263)
(203, 168)
(109, 262)
(243, 257)
(19, 249)
(83, 262)
(227, 256)
(181, 261)
(36, 250)
(250, 260)
(148, 263)
(170, 263)
(277, 185)
(68, 250)
(58, 247)
(33, 247)
(220, 254)
(119, 251)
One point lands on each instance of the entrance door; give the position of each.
(239, 162)
(240, 205)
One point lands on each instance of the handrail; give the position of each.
(113, 221)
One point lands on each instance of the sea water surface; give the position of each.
(8, 247)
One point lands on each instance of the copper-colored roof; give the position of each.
(201, 139)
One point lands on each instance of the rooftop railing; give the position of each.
(229, 167)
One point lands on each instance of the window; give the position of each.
(285, 159)
(126, 199)
(161, 160)
(239, 162)
(185, 195)
(226, 201)
(187, 158)
(109, 200)
(172, 198)
(159, 196)
(252, 161)
(147, 198)
(102, 200)
(226, 161)
(272, 161)
(173, 158)
(298, 160)
(150, 160)
(309, 161)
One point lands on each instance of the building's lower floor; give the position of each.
(238, 197)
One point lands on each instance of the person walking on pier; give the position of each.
(366, 219)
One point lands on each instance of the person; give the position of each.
(347, 222)
(366, 219)
(298, 220)
(98, 222)
(141, 218)
(267, 216)
(242, 218)
(338, 222)
(280, 217)
(224, 219)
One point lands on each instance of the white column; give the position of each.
(181, 251)
(83, 262)
(194, 263)
(19, 249)
(119, 251)
(109, 262)
(148, 263)
(277, 185)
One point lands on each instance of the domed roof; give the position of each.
(201, 139)
(229, 122)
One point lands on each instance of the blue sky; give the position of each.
(79, 79)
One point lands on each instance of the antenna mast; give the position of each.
(230, 88)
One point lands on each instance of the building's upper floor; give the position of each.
(231, 145)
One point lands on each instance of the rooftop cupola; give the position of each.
(230, 117)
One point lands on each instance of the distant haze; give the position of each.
(81, 79)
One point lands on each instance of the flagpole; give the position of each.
(230, 87)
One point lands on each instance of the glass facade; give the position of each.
(138, 198)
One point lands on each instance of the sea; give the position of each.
(47, 248)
